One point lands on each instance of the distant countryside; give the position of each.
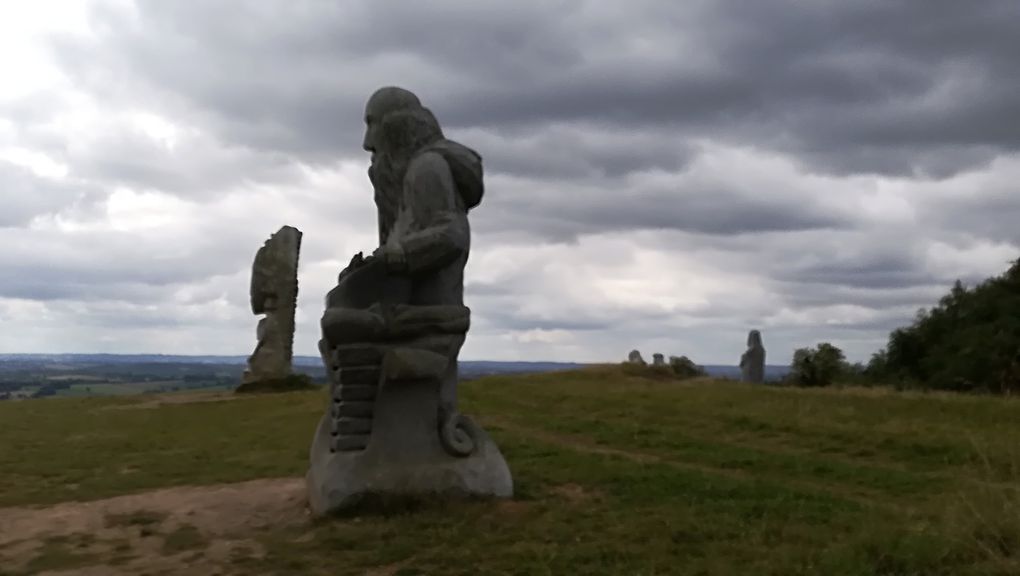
(26, 376)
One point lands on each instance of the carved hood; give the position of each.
(466, 166)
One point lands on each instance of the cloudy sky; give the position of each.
(660, 175)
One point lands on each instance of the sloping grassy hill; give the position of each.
(615, 474)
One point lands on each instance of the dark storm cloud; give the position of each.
(557, 212)
(887, 87)
(576, 151)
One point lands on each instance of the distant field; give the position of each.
(614, 475)
(119, 389)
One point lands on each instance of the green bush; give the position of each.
(685, 368)
(821, 366)
(969, 342)
(681, 368)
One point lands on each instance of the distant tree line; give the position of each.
(968, 342)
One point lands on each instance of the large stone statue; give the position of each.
(635, 358)
(752, 362)
(658, 359)
(274, 286)
(394, 325)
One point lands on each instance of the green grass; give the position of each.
(289, 383)
(614, 474)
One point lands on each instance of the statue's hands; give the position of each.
(393, 256)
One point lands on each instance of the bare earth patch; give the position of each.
(183, 530)
(574, 493)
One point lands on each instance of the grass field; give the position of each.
(614, 474)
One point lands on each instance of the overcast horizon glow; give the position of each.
(663, 176)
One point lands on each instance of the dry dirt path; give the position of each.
(180, 530)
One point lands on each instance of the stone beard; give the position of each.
(387, 174)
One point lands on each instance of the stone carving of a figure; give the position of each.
(394, 325)
(635, 358)
(424, 186)
(752, 362)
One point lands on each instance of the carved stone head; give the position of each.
(381, 103)
(397, 125)
(754, 339)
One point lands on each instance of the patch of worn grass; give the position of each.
(88, 448)
(141, 518)
(614, 474)
(63, 553)
(185, 537)
(290, 383)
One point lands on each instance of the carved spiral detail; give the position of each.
(458, 434)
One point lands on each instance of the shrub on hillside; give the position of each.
(820, 366)
(683, 367)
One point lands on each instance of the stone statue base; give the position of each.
(404, 456)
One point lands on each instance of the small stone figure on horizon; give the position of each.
(395, 323)
(752, 362)
(274, 287)
(635, 358)
(658, 359)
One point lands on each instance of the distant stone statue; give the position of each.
(395, 323)
(752, 362)
(635, 358)
(658, 359)
(274, 287)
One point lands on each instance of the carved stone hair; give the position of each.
(408, 130)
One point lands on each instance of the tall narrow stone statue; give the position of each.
(274, 286)
(394, 325)
(752, 362)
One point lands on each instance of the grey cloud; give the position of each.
(88, 265)
(194, 168)
(871, 271)
(591, 118)
(798, 295)
(25, 195)
(554, 211)
(577, 151)
(992, 213)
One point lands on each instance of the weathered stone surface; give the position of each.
(274, 288)
(752, 362)
(635, 358)
(395, 323)
(658, 360)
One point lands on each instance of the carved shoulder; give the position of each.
(430, 178)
